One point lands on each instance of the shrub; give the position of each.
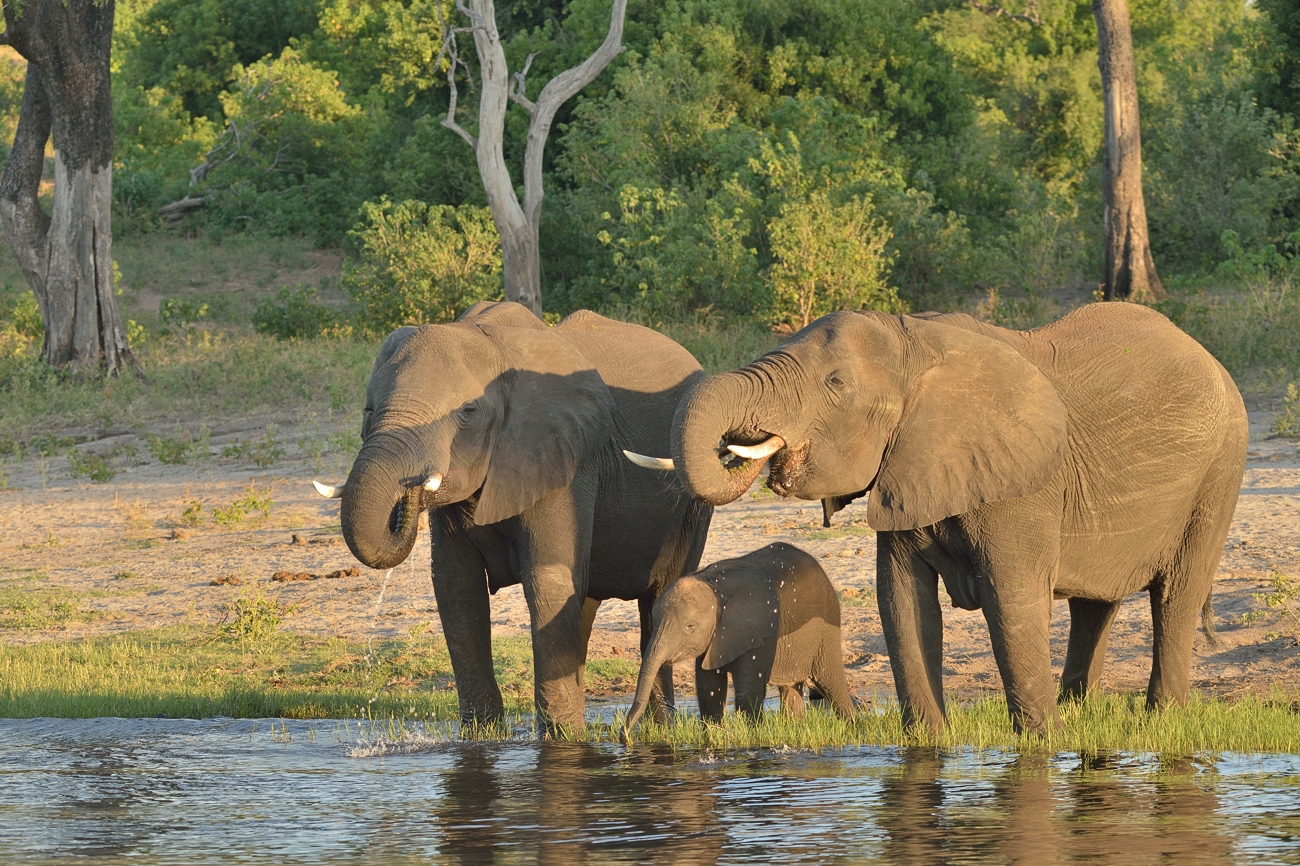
(92, 466)
(233, 514)
(1287, 422)
(294, 313)
(421, 263)
(183, 447)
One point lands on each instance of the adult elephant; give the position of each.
(509, 432)
(1087, 459)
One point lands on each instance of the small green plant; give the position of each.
(181, 313)
(295, 313)
(49, 445)
(255, 616)
(1284, 598)
(182, 447)
(251, 502)
(1287, 422)
(125, 575)
(93, 466)
(39, 608)
(854, 597)
(344, 442)
(192, 513)
(263, 450)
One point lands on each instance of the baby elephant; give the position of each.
(770, 617)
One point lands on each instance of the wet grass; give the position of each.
(407, 688)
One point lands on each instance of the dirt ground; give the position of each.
(122, 549)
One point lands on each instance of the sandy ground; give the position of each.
(121, 549)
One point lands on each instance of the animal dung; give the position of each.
(288, 576)
(298, 540)
(226, 580)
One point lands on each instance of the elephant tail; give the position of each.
(1207, 621)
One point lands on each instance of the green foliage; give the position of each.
(294, 313)
(39, 607)
(262, 450)
(251, 503)
(181, 447)
(421, 263)
(1287, 422)
(1283, 598)
(181, 313)
(92, 466)
(253, 616)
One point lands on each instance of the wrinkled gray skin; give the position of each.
(1087, 459)
(770, 617)
(526, 424)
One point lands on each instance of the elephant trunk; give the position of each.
(661, 651)
(722, 410)
(379, 513)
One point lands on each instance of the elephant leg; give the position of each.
(1173, 629)
(791, 699)
(1019, 612)
(711, 692)
(907, 591)
(828, 676)
(1090, 622)
(663, 704)
(589, 608)
(461, 590)
(749, 677)
(553, 549)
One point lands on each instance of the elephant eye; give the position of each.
(836, 381)
(464, 412)
(689, 628)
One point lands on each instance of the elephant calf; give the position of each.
(770, 617)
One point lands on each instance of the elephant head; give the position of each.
(933, 415)
(493, 409)
(713, 621)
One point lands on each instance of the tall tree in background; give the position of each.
(67, 257)
(1129, 272)
(517, 224)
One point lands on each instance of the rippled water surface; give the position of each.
(222, 791)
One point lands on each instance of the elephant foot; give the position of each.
(1037, 724)
(1072, 691)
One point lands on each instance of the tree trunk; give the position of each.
(67, 257)
(1129, 272)
(519, 225)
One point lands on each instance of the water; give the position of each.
(227, 791)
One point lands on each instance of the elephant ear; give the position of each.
(981, 424)
(506, 313)
(558, 412)
(748, 615)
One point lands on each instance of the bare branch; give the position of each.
(557, 91)
(519, 87)
(1029, 16)
(449, 51)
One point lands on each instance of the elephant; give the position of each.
(1087, 459)
(508, 431)
(770, 617)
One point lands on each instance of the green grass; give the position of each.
(198, 671)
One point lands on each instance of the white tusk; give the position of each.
(761, 451)
(433, 482)
(649, 462)
(327, 491)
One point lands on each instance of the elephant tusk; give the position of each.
(649, 462)
(433, 482)
(761, 451)
(328, 491)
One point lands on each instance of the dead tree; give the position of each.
(517, 224)
(1129, 271)
(67, 256)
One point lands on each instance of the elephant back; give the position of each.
(646, 373)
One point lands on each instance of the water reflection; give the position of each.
(224, 791)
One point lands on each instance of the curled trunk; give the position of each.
(379, 514)
(718, 412)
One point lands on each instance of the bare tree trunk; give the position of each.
(66, 257)
(519, 225)
(1129, 272)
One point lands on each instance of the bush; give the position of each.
(294, 313)
(421, 263)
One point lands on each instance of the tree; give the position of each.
(517, 224)
(1128, 270)
(67, 256)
